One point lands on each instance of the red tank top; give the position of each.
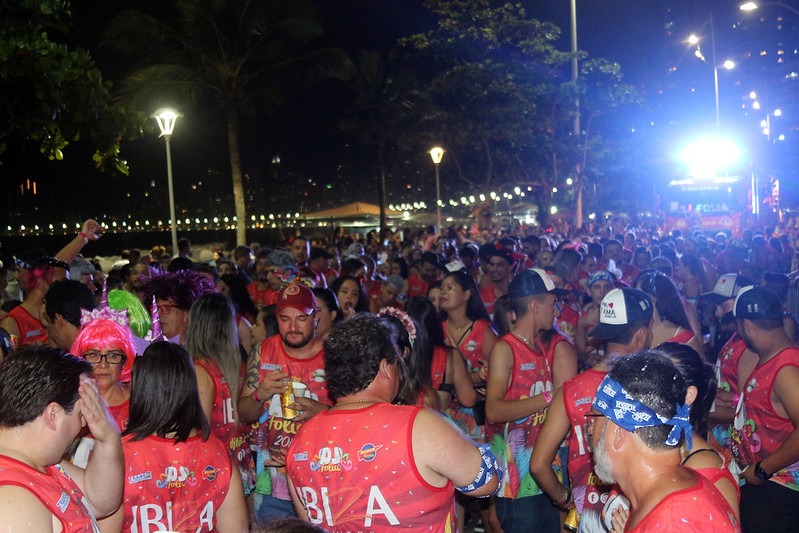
(354, 471)
(683, 337)
(416, 287)
(697, 508)
(31, 330)
(566, 319)
(174, 487)
(719, 436)
(275, 432)
(489, 298)
(223, 423)
(471, 345)
(578, 393)
(55, 489)
(438, 369)
(758, 431)
(531, 375)
(261, 298)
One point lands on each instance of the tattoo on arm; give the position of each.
(251, 376)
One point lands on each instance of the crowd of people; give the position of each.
(627, 380)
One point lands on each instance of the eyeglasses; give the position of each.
(590, 419)
(165, 309)
(112, 358)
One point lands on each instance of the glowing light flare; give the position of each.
(705, 157)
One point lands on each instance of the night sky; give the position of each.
(304, 134)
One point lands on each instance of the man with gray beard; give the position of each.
(639, 422)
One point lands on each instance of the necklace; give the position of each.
(529, 344)
(357, 401)
(459, 328)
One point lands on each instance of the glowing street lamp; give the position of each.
(166, 119)
(436, 154)
(752, 6)
(727, 64)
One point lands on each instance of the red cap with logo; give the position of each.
(297, 296)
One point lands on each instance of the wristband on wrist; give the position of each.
(256, 397)
(547, 397)
(567, 499)
(84, 237)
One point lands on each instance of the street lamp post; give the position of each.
(728, 64)
(436, 153)
(166, 119)
(578, 207)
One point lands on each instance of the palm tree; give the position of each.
(387, 104)
(243, 55)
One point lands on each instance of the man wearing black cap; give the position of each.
(734, 363)
(518, 392)
(625, 324)
(765, 439)
(499, 264)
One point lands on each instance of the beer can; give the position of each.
(572, 522)
(286, 399)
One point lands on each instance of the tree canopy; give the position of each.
(54, 95)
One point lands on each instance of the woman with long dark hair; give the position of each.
(351, 296)
(670, 320)
(180, 477)
(441, 367)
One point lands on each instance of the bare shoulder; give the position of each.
(21, 510)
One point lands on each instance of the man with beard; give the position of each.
(637, 428)
(765, 438)
(271, 269)
(625, 325)
(136, 276)
(293, 358)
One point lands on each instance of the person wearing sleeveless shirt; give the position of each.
(46, 397)
(765, 438)
(368, 465)
(518, 393)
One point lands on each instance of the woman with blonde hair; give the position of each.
(212, 341)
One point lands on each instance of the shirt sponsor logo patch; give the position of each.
(368, 452)
(527, 366)
(138, 478)
(63, 502)
(301, 456)
(210, 472)
(271, 366)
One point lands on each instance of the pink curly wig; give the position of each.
(104, 334)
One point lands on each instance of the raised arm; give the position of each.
(90, 231)
(102, 481)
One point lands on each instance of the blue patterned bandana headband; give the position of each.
(628, 413)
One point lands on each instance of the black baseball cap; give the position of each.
(532, 282)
